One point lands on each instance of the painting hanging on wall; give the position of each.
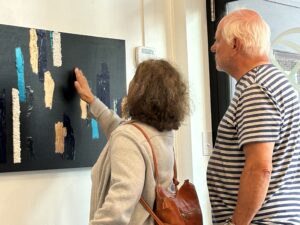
(43, 122)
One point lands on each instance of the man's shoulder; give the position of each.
(268, 77)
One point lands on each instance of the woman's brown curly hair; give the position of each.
(157, 95)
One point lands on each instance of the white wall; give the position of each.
(190, 52)
(177, 30)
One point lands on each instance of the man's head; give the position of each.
(241, 33)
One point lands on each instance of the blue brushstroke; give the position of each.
(42, 60)
(103, 92)
(69, 150)
(95, 130)
(20, 72)
(3, 127)
(51, 39)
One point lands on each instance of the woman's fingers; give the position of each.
(82, 86)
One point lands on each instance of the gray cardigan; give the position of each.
(124, 170)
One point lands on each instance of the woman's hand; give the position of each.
(82, 87)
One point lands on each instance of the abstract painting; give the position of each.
(43, 122)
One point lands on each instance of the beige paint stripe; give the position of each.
(49, 89)
(83, 106)
(56, 49)
(16, 126)
(34, 52)
(60, 134)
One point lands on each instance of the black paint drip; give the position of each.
(42, 46)
(30, 148)
(3, 127)
(69, 150)
(103, 85)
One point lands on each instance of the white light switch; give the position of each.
(207, 144)
(143, 53)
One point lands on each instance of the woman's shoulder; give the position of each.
(130, 131)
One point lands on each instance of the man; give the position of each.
(254, 171)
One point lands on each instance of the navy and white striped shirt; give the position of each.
(265, 108)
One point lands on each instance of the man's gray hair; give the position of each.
(250, 29)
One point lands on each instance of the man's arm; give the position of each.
(254, 182)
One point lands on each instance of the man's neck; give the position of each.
(246, 64)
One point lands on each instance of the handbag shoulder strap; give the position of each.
(175, 181)
(142, 200)
(152, 150)
(150, 211)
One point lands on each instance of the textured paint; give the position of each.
(95, 129)
(2, 127)
(30, 149)
(103, 92)
(56, 49)
(117, 103)
(20, 72)
(83, 106)
(51, 39)
(60, 134)
(49, 89)
(69, 150)
(34, 52)
(29, 100)
(42, 50)
(124, 111)
(16, 126)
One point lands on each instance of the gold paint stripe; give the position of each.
(49, 89)
(83, 106)
(34, 52)
(60, 134)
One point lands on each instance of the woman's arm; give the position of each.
(126, 183)
(107, 119)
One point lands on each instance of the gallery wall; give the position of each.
(177, 31)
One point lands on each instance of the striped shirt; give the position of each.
(265, 108)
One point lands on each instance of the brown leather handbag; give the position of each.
(179, 208)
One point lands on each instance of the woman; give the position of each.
(157, 101)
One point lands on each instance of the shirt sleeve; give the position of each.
(107, 119)
(127, 182)
(258, 117)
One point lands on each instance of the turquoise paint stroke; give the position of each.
(51, 39)
(20, 72)
(95, 130)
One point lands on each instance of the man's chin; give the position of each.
(219, 68)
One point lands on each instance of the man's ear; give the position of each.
(237, 45)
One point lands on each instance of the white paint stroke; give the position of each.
(56, 41)
(16, 126)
